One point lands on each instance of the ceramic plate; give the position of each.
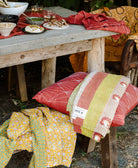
(33, 29)
(47, 25)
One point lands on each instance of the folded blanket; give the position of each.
(47, 133)
(98, 21)
(93, 103)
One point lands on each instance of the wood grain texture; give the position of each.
(109, 150)
(96, 55)
(48, 72)
(44, 53)
(91, 146)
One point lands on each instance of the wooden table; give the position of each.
(19, 50)
(47, 46)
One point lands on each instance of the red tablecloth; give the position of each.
(98, 22)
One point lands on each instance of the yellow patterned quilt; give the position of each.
(48, 133)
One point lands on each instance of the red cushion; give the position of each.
(127, 103)
(56, 96)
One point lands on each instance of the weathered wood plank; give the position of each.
(48, 72)
(109, 150)
(44, 53)
(113, 148)
(96, 55)
(105, 152)
(91, 145)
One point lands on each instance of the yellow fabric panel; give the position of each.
(6, 145)
(114, 48)
(95, 109)
(24, 142)
(19, 125)
(86, 132)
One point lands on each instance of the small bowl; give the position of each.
(6, 28)
(9, 18)
(35, 20)
(16, 8)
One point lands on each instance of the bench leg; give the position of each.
(91, 145)
(9, 78)
(109, 150)
(22, 83)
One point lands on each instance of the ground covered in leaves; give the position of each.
(127, 135)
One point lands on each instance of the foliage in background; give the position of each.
(69, 4)
(96, 4)
(78, 5)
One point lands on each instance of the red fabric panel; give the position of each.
(56, 96)
(127, 103)
(96, 81)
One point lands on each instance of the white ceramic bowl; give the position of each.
(6, 28)
(16, 8)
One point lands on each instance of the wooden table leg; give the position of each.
(109, 150)
(48, 72)
(22, 82)
(96, 55)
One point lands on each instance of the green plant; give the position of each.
(94, 155)
(83, 154)
(20, 104)
(96, 4)
(119, 134)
